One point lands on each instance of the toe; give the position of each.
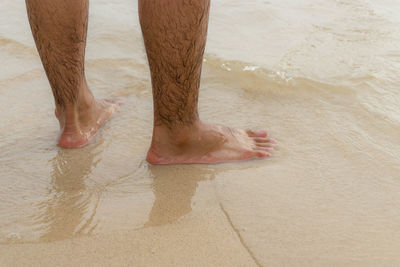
(119, 101)
(268, 144)
(264, 148)
(262, 154)
(259, 133)
(114, 101)
(263, 140)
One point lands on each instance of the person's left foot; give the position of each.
(80, 125)
(207, 143)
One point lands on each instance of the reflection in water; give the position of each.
(74, 196)
(66, 212)
(174, 187)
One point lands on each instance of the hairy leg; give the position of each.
(174, 34)
(59, 28)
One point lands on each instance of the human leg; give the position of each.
(174, 33)
(59, 28)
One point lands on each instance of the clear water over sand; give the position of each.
(322, 76)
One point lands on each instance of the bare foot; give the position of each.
(80, 124)
(207, 143)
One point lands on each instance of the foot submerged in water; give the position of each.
(80, 125)
(207, 143)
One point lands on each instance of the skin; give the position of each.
(174, 34)
(59, 28)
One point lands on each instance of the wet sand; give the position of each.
(321, 76)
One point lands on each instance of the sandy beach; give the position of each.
(322, 76)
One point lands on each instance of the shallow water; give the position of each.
(321, 76)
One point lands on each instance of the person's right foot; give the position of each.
(207, 143)
(80, 125)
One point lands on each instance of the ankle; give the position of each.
(85, 100)
(82, 100)
(177, 135)
(73, 115)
